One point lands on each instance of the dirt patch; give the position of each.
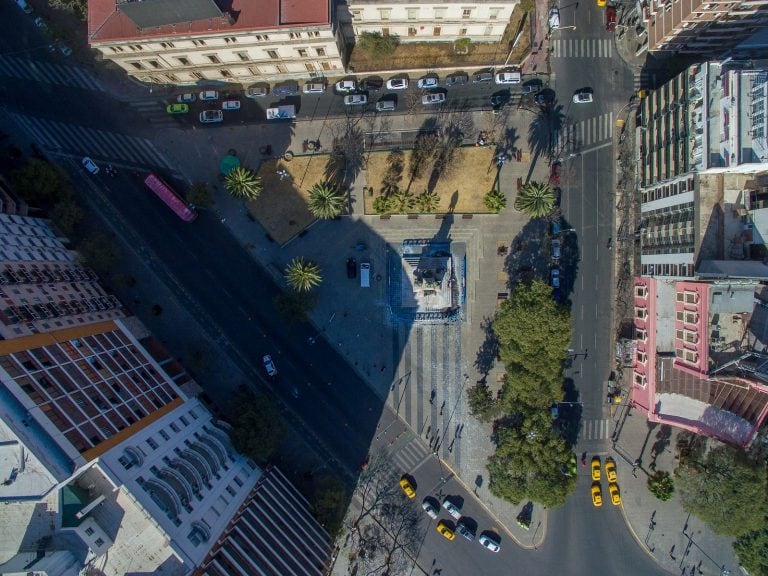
(473, 176)
(430, 55)
(282, 207)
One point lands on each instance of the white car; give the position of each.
(64, 49)
(209, 95)
(230, 105)
(90, 165)
(208, 116)
(554, 18)
(257, 91)
(451, 508)
(186, 98)
(429, 508)
(313, 88)
(508, 78)
(397, 83)
(582, 97)
(428, 82)
(490, 543)
(355, 99)
(269, 365)
(346, 86)
(433, 98)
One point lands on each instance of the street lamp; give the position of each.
(567, 27)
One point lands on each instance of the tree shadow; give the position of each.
(527, 257)
(489, 349)
(663, 437)
(569, 413)
(543, 133)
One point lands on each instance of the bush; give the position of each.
(661, 485)
(495, 201)
(481, 403)
(377, 45)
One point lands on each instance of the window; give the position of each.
(466, 13)
(155, 64)
(413, 13)
(198, 42)
(462, 31)
(126, 462)
(436, 31)
(243, 56)
(439, 13)
(385, 32)
(230, 40)
(641, 313)
(213, 59)
(137, 65)
(261, 37)
(641, 335)
(116, 49)
(184, 421)
(164, 435)
(151, 443)
(320, 51)
(411, 31)
(357, 14)
(680, 296)
(309, 66)
(302, 52)
(166, 44)
(99, 542)
(272, 54)
(89, 531)
(294, 35)
(641, 292)
(174, 427)
(384, 13)
(493, 13)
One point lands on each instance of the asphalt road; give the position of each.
(233, 299)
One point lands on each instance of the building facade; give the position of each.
(205, 41)
(430, 21)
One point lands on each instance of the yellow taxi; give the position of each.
(597, 494)
(444, 530)
(610, 470)
(407, 488)
(596, 468)
(601, 3)
(613, 490)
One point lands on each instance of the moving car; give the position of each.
(406, 487)
(428, 82)
(313, 88)
(257, 91)
(186, 98)
(597, 494)
(209, 95)
(465, 530)
(40, 24)
(346, 86)
(490, 543)
(451, 508)
(596, 468)
(397, 83)
(481, 77)
(230, 105)
(90, 165)
(269, 365)
(554, 18)
(554, 276)
(610, 18)
(430, 508)
(556, 252)
(355, 99)
(456, 79)
(433, 98)
(582, 97)
(351, 268)
(601, 3)
(610, 470)
(177, 108)
(513, 77)
(444, 530)
(24, 6)
(208, 116)
(613, 491)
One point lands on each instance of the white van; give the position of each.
(365, 274)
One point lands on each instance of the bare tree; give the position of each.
(376, 486)
(348, 142)
(399, 522)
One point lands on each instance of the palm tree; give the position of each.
(243, 183)
(403, 200)
(302, 276)
(495, 201)
(383, 204)
(535, 199)
(325, 201)
(428, 201)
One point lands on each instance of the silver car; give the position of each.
(257, 91)
(433, 98)
(208, 116)
(355, 99)
(451, 508)
(209, 95)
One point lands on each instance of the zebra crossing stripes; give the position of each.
(100, 144)
(582, 47)
(643, 79)
(596, 429)
(49, 73)
(587, 132)
(410, 455)
(154, 112)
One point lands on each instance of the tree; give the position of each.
(661, 485)
(67, 216)
(423, 151)
(727, 490)
(258, 427)
(377, 44)
(325, 201)
(295, 306)
(524, 391)
(243, 183)
(495, 201)
(531, 462)
(481, 403)
(383, 205)
(752, 550)
(533, 331)
(394, 174)
(329, 499)
(78, 7)
(99, 252)
(535, 199)
(403, 201)
(200, 195)
(41, 184)
(302, 275)
(428, 201)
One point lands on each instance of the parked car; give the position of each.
(555, 227)
(428, 82)
(613, 492)
(208, 116)
(269, 365)
(451, 508)
(489, 542)
(346, 86)
(40, 24)
(513, 77)
(24, 6)
(481, 77)
(610, 18)
(177, 108)
(444, 530)
(429, 507)
(555, 249)
(257, 91)
(554, 277)
(583, 96)
(407, 489)
(433, 98)
(610, 470)
(209, 95)
(90, 165)
(386, 105)
(595, 464)
(397, 83)
(463, 528)
(64, 49)
(554, 18)
(601, 3)
(372, 84)
(230, 105)
(286, 89)
(456, 79)
(355, 99)
(313, 88)
(597, 494)
(186, 98)
(351, 268)
(532, 86)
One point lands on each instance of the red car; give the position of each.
(610, 18)
(554, 174)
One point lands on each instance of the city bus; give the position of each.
(171, 198)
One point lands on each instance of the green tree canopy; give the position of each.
(243, 183)
(326, 201)
(533, 331)
(41, 184)
(302, 275)
(727, 490)
(329, 498)
(258, 427)
(428, 201)
(67, 216)
(495, 201)
(481, 403)
(525, 391)
(295, 306)
(377, 44)
(531, 461)
(535, 199)
(752, 549)
(99, 252)
(200, 195)
(661, 485)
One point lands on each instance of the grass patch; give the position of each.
(473, 176)
(282, 208)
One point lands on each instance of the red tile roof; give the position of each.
(107, 24)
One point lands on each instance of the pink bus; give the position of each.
(168, 195)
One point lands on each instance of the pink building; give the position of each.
(699, 355)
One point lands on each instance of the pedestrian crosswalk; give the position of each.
(154, 111)
(643, 79)
(49, 73)
(576, 136)
(410, 455)
(596, 429)
(99, 144)
(582, 47)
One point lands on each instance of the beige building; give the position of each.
(194, 41)
(432, 20)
